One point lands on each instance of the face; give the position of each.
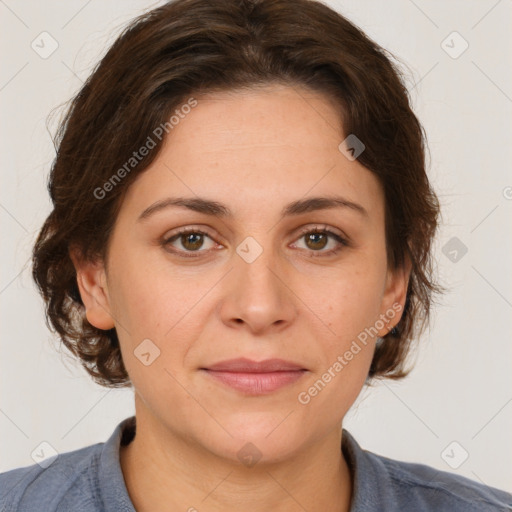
(251, 280)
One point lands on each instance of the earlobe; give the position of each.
(91, 280)
(395, 295)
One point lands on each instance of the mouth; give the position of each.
(255, 378)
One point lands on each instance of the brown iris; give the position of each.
(316, 238)
(192, 241)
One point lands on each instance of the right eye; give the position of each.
(190, 239)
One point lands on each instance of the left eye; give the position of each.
(192, 240)
(317, 239)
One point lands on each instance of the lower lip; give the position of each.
(257, 383)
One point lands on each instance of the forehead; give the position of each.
(247, 119)
(257, 148)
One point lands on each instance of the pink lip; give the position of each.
(256, 378)
(243, 365)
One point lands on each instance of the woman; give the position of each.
(241, 231)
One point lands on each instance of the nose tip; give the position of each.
(257, 296)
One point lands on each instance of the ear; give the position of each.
(92, 283)
(395, 295)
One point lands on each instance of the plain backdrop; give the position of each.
(457, 402)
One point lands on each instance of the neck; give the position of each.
(164, 471)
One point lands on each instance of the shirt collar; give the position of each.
(111, 480)
(372, 488)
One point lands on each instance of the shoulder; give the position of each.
(69, 482)
(429, 488)
(381, 483)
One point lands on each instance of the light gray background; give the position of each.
(461, 387)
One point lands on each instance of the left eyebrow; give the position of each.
(216, 209)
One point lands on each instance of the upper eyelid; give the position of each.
(321, 228)
(302, 230)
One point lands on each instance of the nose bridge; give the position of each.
(256, 265)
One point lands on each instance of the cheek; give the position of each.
(350, 311)
(349, 307)
(351, 299)
(150, 303)
(147, 297)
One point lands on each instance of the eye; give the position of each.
(317, 239)
(190, 239)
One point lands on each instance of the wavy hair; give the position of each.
(188, 47)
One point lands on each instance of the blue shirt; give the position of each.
(90, 479)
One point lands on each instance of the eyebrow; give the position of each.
(216, 209)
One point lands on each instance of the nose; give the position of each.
(258, 294)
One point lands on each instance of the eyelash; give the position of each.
(315, 254)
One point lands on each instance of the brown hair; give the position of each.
(187, 47)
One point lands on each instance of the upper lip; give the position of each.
(243, 365)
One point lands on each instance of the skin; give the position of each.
(254, 151)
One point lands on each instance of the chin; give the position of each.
(267, 439)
